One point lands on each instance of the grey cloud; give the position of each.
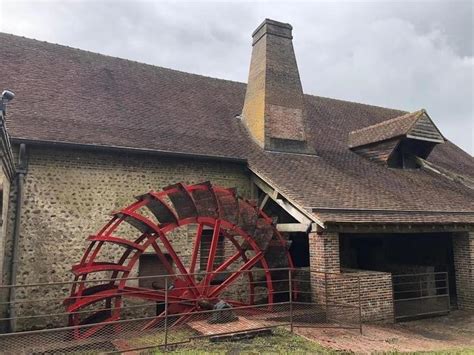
(398, 54)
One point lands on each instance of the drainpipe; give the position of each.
(21, 172)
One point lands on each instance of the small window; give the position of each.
(206, 240)
(406, 155)
(399, 142)
(151, 265)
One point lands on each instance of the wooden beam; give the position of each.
(279, 198)
(293, 211)
(425, 139)
(293, 227)
(265, 188)
(381, 228)
(264, 202)
(463, 179)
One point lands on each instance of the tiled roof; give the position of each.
(74, 96)
(378, 132)
(70, 95)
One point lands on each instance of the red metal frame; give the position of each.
(187, 292)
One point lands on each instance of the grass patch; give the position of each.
(281, 342)
(158, 338)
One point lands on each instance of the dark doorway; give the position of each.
(151, 265)
(401, 254)
(299, 249)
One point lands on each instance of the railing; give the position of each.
(420, 294)
(301, 298)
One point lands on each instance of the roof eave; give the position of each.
(398, 227)
(98, 147)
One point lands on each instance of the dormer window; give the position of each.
(399, 142)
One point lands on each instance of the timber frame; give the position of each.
(306, 221)
(397, 227)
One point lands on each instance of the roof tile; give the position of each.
(78, 97)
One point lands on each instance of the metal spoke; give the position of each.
(197, 244)
(247, 266)
(176, 206)
(162, 258)
(211, 256)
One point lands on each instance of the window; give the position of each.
(151, 265)
(206, 240)
(408, 151)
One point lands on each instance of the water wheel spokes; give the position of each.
(231, 243)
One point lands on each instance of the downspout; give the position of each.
(21, 172)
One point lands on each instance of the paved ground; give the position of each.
(454, 331)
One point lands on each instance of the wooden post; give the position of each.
(290, 298)
(166, 313)
(360, 306)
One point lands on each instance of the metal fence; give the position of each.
(297, 298)
(420, 294)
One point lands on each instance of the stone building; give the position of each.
(358, 189)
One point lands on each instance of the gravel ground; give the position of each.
(446, 334)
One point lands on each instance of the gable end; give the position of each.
(425, 129)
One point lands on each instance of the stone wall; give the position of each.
(69, 195)
(463, 250)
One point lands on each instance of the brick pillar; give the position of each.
(323, 258)
(324, 252)
(463, 250)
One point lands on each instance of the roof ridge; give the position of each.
(398, 118)
(181, 71)
(118, 58)
(354, 102)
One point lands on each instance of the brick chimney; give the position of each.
(274, 105)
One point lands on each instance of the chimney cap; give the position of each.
(273, 27)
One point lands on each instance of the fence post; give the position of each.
(360, 305)
(290, 298)
(447, 291)
(421, 287)
(326, 293)
(393, 298)
(166, 313)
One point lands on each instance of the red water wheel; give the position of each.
(253, 245)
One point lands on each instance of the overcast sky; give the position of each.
(402, 54)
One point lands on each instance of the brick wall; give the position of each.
(376, 297)
(69, 195)
(463, 250)
(274, 101)
(324, 252)
(334, 292)
(337, 288)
